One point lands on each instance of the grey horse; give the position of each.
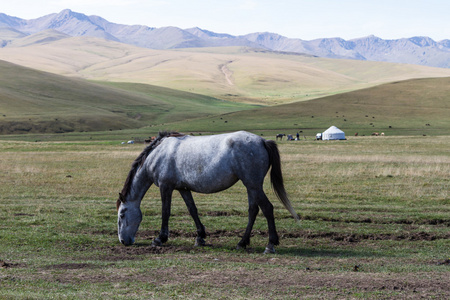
(203, 164)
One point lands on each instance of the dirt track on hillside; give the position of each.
(227, 72)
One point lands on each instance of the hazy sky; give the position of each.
(388, 19)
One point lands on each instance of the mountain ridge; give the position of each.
(415, 50)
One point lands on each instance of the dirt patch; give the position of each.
(442, 222)
(23, 215)
(4, 264)
(353, 238)
(218, 213)
(70, 266)
(7, 265)
(444, 262)
(140, 251)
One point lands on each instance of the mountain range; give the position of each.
(415, 50)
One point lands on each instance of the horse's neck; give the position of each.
(139, 186)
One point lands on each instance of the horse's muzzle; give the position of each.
(127, 242)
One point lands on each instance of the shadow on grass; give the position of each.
(343, 253)
(145, 248)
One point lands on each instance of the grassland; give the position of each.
(375, 219)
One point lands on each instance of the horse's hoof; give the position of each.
(199, 242)
(156, 243)
(239, 247)
(269, 250)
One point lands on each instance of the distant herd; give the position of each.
(373, 134)
(377, 134)
(279, 136)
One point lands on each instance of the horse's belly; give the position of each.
(208, 183)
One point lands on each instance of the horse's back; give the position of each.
(213, 163)
(241, 144)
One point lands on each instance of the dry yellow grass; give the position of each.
(401, 168)
(250, 76)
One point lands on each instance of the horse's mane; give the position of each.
(139, 161)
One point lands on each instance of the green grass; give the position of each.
(37, 102)
(375, 218)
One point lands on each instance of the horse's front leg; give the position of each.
(166, 198)
(253, 210)
(201, 234)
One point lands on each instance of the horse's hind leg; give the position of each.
(166, 198)
(201, 234)
(267, 208)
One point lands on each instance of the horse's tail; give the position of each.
(276, 176)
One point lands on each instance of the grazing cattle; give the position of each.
(375, 134)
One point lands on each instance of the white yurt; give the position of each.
(333, 133)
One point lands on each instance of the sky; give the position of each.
(303, 19)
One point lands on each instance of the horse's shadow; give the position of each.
(338, 253)
(148, 248)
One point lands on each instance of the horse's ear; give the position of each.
(121, 198)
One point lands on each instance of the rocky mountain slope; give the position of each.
(414, 50)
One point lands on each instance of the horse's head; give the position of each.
(129, 217)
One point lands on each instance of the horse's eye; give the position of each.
(122, 213)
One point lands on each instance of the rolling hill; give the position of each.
(33, 101)
(410, 107)
(238, 74)
(38, 102)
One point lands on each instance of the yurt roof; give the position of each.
(333, 129)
